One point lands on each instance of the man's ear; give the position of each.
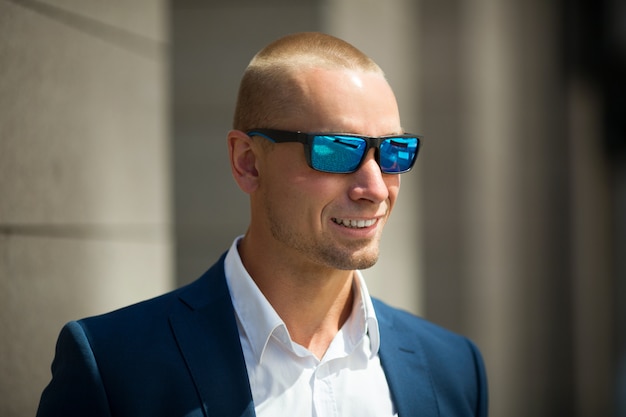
(243, 160)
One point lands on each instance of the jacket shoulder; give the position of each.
(452, 363)
(414, 325)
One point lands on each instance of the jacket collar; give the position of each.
(405, 366)
(206, 333)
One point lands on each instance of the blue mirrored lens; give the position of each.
(397, 154)
(337, 153)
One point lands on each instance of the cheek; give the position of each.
(290, 186)
(306, 198)
(295, 190)
(393, 187)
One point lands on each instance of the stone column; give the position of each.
(84, 174)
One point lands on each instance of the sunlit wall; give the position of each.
(84, 174)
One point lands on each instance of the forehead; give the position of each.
(342, 100)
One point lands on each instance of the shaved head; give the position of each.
(269, 93)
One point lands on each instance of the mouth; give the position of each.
(355, 224)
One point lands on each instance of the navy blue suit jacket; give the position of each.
(179, 355)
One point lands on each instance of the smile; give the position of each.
(354, 224)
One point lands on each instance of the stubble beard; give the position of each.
(357, 255)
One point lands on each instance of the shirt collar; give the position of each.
(259, 321)
(364, 300)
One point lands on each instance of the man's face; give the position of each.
(325, 219)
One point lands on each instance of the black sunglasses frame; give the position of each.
(285, 136)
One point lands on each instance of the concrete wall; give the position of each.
(517, 203)
(84, 174)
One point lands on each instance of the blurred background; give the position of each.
(115, 186)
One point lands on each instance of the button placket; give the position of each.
(324, 402)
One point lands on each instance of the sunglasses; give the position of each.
(343, 153)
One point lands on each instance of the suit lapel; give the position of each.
(405, 367)
(206, 332)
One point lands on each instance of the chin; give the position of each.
(366, 263)
(359, 260)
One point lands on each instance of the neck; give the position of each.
(314, 301)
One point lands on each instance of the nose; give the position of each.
(369, 183)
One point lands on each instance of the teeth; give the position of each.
(355, 223)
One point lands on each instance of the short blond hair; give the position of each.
(268, 90)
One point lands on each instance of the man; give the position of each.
(282, 324)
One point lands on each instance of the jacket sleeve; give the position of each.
(76, 388)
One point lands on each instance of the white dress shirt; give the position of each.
(287, 379)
